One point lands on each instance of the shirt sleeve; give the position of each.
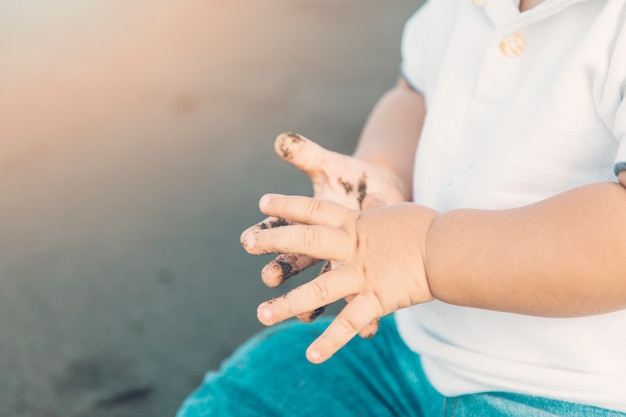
(413, 48)
(620, 124)
(619, 119)
(615, 94)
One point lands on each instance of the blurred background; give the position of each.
(135, 140)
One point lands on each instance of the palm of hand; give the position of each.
(337, 177)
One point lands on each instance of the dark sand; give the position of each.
(136, 141)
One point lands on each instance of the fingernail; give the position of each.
(249, 241)
(265, 314)
(264, 201)
(314, 355)
(273, 274)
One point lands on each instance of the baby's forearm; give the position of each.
(389, 138)
(564, 256)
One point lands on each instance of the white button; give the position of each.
(479, 3)
(513, 45)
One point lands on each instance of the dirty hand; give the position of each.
(336, 177)
(379, 253)
(341, 178)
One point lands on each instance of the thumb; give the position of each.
(301, 152)
(372, 201)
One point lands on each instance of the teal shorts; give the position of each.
(270, 376)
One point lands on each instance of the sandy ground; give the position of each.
(136, 138)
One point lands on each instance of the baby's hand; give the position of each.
(336, 177)
(378, 255)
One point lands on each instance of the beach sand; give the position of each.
(136, 138)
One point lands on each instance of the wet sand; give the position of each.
(136, 141)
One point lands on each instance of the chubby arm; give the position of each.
(561, 257)
(564, 256)
(390, 135)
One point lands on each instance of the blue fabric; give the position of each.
(270, 376)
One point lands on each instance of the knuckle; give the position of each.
(311, 236)
(287, 304)
(377, 306)
(320, 290)
(347, 324)
(312, 207)
(271, 238)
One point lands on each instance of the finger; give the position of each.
(371, 329)
(301, 152)
(284, 267)
(305, 210)
(321, 242)
(354, 317)
(268, 223)
(323, 290)
(310, 316)
(272, 223)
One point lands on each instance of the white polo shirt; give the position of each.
(520, 107)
